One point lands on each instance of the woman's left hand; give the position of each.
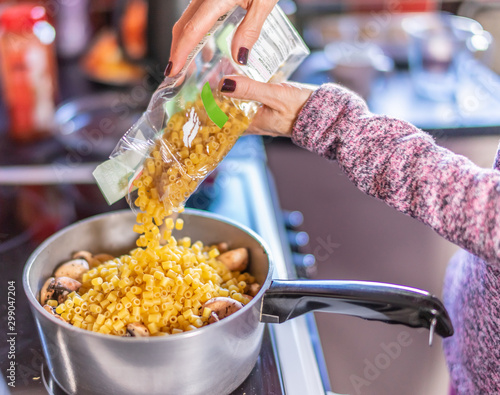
(281, 103)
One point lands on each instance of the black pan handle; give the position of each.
(393, 304)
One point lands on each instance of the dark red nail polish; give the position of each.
(228, 85)
(243, 55)
(168, 69)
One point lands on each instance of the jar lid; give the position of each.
(21, 18)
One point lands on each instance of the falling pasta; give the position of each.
(164, 286)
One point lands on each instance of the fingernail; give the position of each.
(228, 85)
(168, 69)
(243, 55)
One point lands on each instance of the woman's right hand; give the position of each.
(201, 15)
(281, 103)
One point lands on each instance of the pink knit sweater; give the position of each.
(401, 165)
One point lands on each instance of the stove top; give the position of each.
(290, 361)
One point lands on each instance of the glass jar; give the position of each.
(28, 70)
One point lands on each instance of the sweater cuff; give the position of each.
(315, 128)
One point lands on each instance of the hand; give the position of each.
(281, 103)
(201, 15)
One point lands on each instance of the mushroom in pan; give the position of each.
(47, 290)
(213, 318)
(52, 311)
(222, 247)
(253, 289)
(136, 329)
(83, 255)
(93, 260)
(235, 260)
(73, 269)
(103, 257)
(58, 289)
(222, 307)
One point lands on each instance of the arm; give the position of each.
(401, 165)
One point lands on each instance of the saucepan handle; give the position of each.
(393, 304)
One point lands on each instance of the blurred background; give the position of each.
(76, 74)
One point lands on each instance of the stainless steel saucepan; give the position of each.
(217, 358)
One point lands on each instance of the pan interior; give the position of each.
(112, 233)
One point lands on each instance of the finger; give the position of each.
(245, 88)
(208, 51)
(188, 13)
(249, 29)
(281, 103)
(189, 31)
(190, 10)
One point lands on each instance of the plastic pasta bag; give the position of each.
(189, 127)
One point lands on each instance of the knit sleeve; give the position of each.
(396, 162)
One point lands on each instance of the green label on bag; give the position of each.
(213, 110)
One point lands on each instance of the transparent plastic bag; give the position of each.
(189, 127)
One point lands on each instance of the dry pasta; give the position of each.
(170, 284)
(185, 154)
(161, 286)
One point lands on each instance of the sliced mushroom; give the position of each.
(253, 289)
(83, 255)
(223, 306)
(104, 257)
(213, 318)
(47, 290)
(52, 311)
(73, 269)
(58, 289)
(222, 247)
(236, 259)
(136, 329)
(92, 261)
